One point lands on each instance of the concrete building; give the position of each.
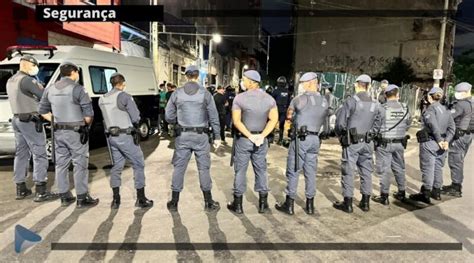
(368, 44)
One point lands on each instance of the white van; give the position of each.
(96, 67)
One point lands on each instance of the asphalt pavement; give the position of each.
(202, 237)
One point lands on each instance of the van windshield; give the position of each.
(46, 71)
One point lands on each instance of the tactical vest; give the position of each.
(19, 101)
(191, 109)
(394, 115)
(113, 115)
(255, 112)
(364, 115)
(64, 108)
(311, 111)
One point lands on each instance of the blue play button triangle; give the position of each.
(24, 238)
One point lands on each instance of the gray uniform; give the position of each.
(69, 104)
(255, 106)
(119, 110)
(463, 116)
(440, 124)
(364, 114)
(192, 106)
(311, 110)
(390, 153)
(24, 94)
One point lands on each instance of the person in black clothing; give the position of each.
(221, 104)
(281, 94)
(170, 89)
(230, 95)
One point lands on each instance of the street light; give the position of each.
(217, 38)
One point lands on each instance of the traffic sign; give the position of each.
(438, 74)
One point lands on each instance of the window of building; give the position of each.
(100, 77)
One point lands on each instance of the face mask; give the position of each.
(459, 95)
(33, 71)
(242, 86)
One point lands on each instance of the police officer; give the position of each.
(121, 116)
(383, 85)
(358, 119)
(192, 108)
(71, 107)
(24, 94)
(438, 130)
(308, 111)
(282, 98)
(391, 145)
(254, 114)
(463, 116)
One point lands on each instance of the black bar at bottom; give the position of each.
(256, 246)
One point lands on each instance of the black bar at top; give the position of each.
(258, 246)
(433, 13)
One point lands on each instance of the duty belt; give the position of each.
(397, 140)
(75, 128)
(239, 134)
(358, 138)
(195, 129)
(116, 131)
(312, 133)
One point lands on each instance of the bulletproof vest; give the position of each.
(471, 123)
(311, 110)
(19, 101)
(442, 116)
(64, 108)
(394, 113)
(113, 115)
(462, 122)
(191, 106)
(255, 110)
(364, 114)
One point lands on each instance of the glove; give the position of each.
(216, 144)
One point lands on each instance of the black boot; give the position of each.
(42, 194)
(67, 198)
(22, 191)
(209, 204)
(452, 190)
(262, 203)
(422, 196)
(436, 194)
(364, 203)
(400, 196)
(236, 205)
(173, 204)
(382, 199)
(287, 206)
(142, 201)
(310, 206)
(85, 201)
(116, 201)
(345, 205)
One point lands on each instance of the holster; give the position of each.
(302, 133)
(344, 140)
(459, 133)
(292, 132)
(405, 141)
(210, 133)
(377, 141)
(177, 130)
(38, 123)
(24, 117)
(423, 136)
(84, 134)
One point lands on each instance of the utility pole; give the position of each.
(155, 44)
(442, 37)
(268, 52)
